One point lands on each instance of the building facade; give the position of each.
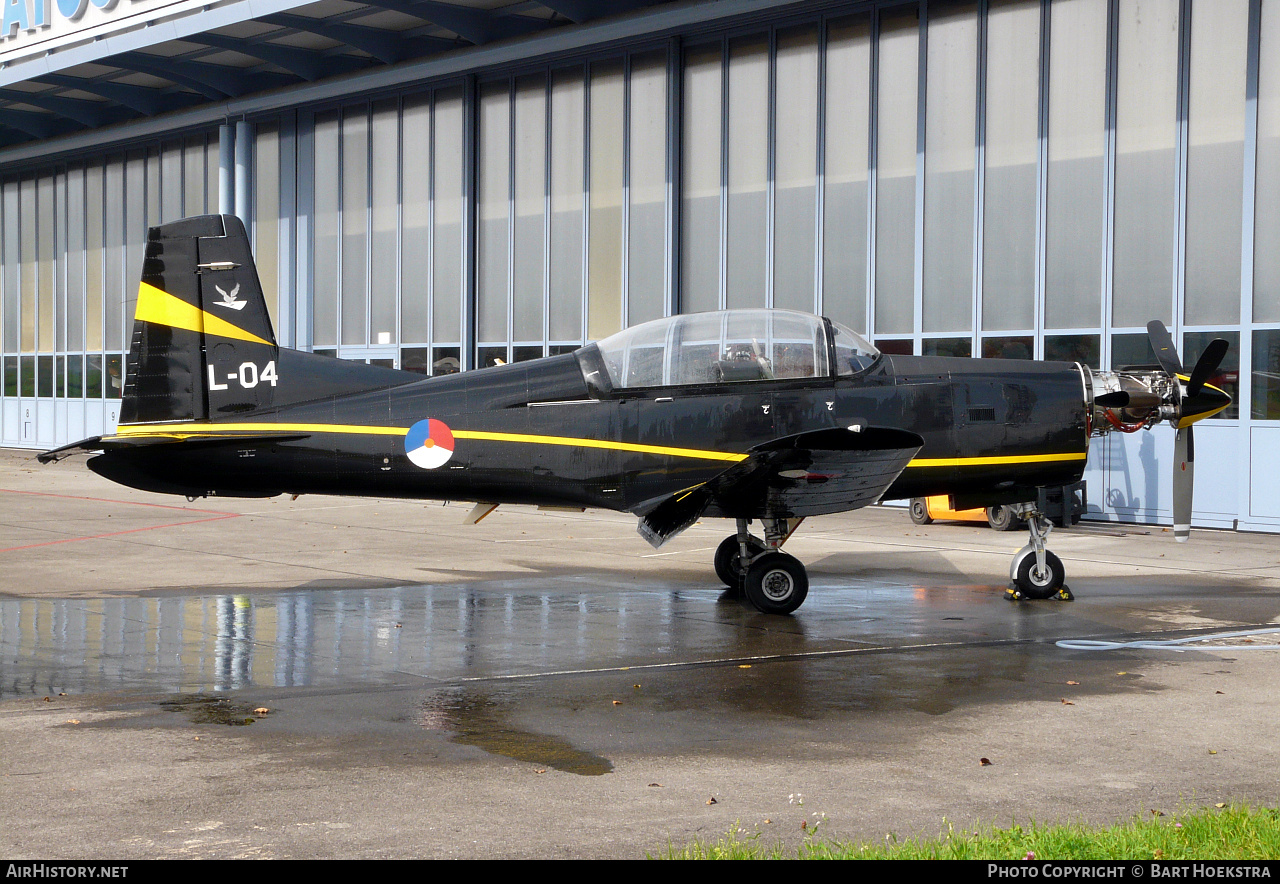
(437, 186)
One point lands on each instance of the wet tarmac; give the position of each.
(369, 679)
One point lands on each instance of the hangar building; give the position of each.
(439, 184)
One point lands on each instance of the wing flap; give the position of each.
(809, 474)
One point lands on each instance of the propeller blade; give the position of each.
(1162, 344)
(1208, 363)
(1184, 457)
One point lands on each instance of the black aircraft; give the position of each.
(753, 415)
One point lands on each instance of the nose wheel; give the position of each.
(1036, 573)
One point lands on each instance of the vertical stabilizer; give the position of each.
(202, 345)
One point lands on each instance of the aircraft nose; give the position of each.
(1208, 401)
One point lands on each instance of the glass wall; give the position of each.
(1009, 178)
(71, 244)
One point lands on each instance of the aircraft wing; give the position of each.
(809, 474)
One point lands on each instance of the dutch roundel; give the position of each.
(429, 444)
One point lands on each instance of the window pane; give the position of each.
(1074, 211)
(1215, 166)
(266, 214)
(1011, 347)
(530, 200)
(385, 202)
(325, 261)
(1266, 375)
(700, 187)
(946, 347)
(844, 222)
(950, 118)
(567, 145)
(896, 171)
(494, 211)
(604, 241)
(748, 151)
(1085, 349)
(647, 212)
(415, 224)
(1012, 132)
(355, 223)
(1227, 375)
(1146, 130)
(796, 153)
(1266, 260)
(446, 218)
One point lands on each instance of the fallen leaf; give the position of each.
(1066, 702)
(1155, 812)
(744, 665)
(1221, 804)
(1073, 682)
(262, 710)
(655, 785)
(768, 822)
(804, 824)
(984, 761)
(1213, 751)
(73, 721)
(712, 801)
(617, 702)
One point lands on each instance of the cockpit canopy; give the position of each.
(732, 346)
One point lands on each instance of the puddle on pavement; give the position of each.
(480, 722)
(211, 710)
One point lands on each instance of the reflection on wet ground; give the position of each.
(474, 662)
(444, 634)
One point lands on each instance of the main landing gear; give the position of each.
(1035, 572)
(773, 581)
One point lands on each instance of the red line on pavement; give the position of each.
(128, 531)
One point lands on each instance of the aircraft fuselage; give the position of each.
(538, 432)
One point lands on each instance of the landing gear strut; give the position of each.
(1035, 572)
(773, 581)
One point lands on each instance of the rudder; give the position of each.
(202, 344)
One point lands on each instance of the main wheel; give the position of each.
(920, 511)
(1001, 518)
(1038, 586)
(776, 583)
(728, 557)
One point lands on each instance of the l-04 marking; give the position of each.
(247, 376)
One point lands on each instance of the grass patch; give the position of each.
(1228, 833)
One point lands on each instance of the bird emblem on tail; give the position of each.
(229, 300)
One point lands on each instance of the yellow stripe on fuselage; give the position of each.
(158, 306)
(230, 429)
(190, 431)
(995, 461)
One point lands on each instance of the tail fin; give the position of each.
(202, 344)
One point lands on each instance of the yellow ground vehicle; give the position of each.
(925, 509)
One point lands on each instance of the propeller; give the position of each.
(1193, 400)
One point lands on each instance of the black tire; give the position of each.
(1001, 518)
(726, 559)
(776, 583)
(920, 511)
(1042, 587)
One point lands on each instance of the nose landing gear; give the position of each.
(1036, 573)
